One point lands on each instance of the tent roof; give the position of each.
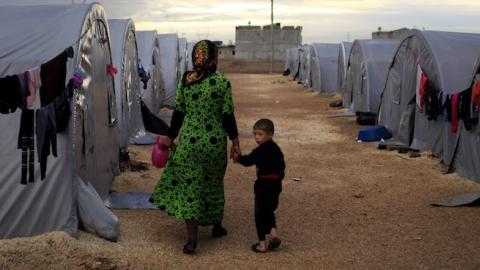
(55, 28)
(326, 50)
(448, 48)
(345, 48)
(118, 33)
(146, 42)
(376, 50)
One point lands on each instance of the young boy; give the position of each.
(268, 158)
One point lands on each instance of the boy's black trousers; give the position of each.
(266, 202)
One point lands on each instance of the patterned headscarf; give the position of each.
(204, 59)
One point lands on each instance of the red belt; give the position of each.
(270, 177)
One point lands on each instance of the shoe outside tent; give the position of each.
(69, 43)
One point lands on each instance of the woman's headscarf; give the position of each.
(204, 59)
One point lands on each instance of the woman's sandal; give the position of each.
(255, 248)
(274, 243)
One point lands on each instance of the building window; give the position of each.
(233, 52)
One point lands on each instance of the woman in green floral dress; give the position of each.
(191, 187)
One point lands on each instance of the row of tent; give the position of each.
(92, 76)
(424, 88)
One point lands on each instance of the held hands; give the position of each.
(235, 150)
(167, 142)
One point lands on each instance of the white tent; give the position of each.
(343, 55)
(302, 67)
(447, 59)
(366, 74)
(467, 149)
(149, 53)
(294, 63)
(88, 147)
(307, 71)
(327, 66)
(127, 81)
(169, 61)
(182, 57)
(190, 46)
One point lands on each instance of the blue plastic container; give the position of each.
(374, 133)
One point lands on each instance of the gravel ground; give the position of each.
(357, 207)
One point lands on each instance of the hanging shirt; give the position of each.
(34, 84)
(455, 99)
(420, 87)
(476, 94)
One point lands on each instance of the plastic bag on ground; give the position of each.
(94, 216)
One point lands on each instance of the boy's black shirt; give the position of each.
(268, 159)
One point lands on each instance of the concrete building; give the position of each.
(395, 34)
(254, 42)
(226, 52)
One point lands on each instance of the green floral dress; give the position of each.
(191, 186)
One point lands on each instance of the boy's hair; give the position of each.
(265, 125)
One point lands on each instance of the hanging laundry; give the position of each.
(420, 87)
(27, 144)
(432, 101)
(111, 70)
(455, 99)
(10, 96)
(24, 89)
(464, 108)
(53, 75)
(476, 94)
(144, 76)
(62, 107)
(34, 84)
(77, 78)
(46, 131)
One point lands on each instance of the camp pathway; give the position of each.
(356, 207)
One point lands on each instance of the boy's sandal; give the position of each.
(255, 248)
(274, 243)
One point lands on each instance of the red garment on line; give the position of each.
(455, 98)
(476, 94)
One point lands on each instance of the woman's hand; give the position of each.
(235, 150)
(167, 143)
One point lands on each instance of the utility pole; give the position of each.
(271, 39)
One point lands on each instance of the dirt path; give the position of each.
(358, 207)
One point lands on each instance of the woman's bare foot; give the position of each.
(260, 247)
(273, 233)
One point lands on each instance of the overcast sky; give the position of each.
(322, 20)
